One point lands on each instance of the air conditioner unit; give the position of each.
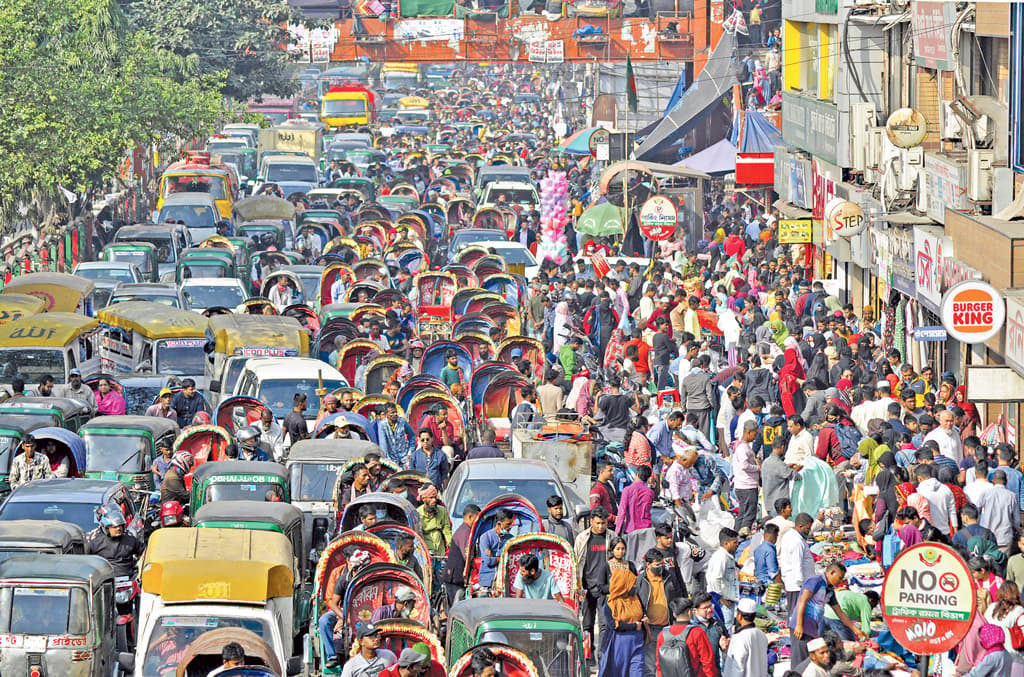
(873, 155)
(979, 174)
(922, 191)
(910, 166)
(951, 128)
(862, 121)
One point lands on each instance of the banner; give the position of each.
(429, 30)
(795, 231)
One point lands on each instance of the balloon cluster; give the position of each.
(554, 210)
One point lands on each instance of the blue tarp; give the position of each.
(718, 159)
(759, 135)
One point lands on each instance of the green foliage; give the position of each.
(242, 39)
(78, 90)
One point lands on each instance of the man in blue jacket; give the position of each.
(492, 543)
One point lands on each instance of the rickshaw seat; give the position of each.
(332, 580)
(502, 428)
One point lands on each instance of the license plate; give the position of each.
(34, 644)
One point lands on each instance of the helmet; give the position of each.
(110, 516)
(248, 437)
(201, 418)
(172, 514)
(358, 559)
(182, 461)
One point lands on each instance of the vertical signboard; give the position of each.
(932, 24)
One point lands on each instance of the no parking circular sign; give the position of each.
(928, 599)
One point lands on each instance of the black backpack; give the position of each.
(674, 655)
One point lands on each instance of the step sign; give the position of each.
(928, 599)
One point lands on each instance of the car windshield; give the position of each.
(462, 240)
(513, 255)
(181, 357)
(193, 216)
(82, 514)
(172, 634)
(139, 258)
(31, 363)
(106, 273)
(248, 491)
(398, 80)
(552, 651)
(44, 611)
(501, 176)
(314, 481)
(8, 444)
(116, 453)
(278, 394)
(161, 299)
(482, 492)
(31, 418)
(164, 250)
(521, 196)
(286, 171)
(207, 296)
(344, 108)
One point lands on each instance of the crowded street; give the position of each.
(452, 369)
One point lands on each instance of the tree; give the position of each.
(245, 40)
(79, 90)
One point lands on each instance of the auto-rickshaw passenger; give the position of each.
(109, 401)
(76, 390)
(173, 486)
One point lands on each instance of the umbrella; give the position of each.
(578, 143)
(601, 219)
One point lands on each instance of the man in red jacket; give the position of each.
(702, 657)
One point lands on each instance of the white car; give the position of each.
(515, 193)
(207, 292)
(513, 253)
(275, 381)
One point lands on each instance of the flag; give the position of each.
(631, 95)
(677, 93)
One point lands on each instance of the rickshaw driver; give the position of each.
(403, 606)
(334, 613)
(109, 541)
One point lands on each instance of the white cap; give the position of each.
(883, 385)
(747, 606)
(816, 643)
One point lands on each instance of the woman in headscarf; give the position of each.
(970, 651)
(623, 652)
(904, 488)
(790, 378)
(947, 476)
(606, 323)
(972, 421)
(945, 394)
(561, 321)
(1004, 614)
(887, 504)
(580, 398)
(817, 369)
(779, 331)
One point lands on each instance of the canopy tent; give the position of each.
(718, 159)
(759, 134)
(707, 92)
(603, 218)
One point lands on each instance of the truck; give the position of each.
(274, 109)
(348, 104)
(293, 136)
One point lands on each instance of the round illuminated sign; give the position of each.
(845, 218)
(658, 218)
(973, 311)
(600, 136)
(906, 128)
(928, 599)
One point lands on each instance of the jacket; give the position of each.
(643, 588)
(697, 391)
(579, 551)
(172, 487)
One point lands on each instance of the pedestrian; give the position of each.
(806, 617)
(684, 636)
(623, 613)
(723, 576)
(636, 503)
(591, 553)
(748, 647)
(555, 523)
(746, 476)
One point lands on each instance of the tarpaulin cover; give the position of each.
(718, 159)
(426, 7)
(759, 134)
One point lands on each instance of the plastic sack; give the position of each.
(712, 519)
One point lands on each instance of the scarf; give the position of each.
(622, 600)
(779, 332)
(886, 483)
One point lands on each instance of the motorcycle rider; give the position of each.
(172, 488)
(248, 445)
(110, 541)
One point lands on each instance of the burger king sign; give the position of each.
(973, 312)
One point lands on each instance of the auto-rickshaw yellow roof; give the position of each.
(46, 330)
(154, 320)
(60, 291)
(238, 332)
(188, 564)
(15, 306)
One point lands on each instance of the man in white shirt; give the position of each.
(883, 398)
(801, 442)
(795, 561)
(976, 490)
(748, 647)
(722, 575)
(947, 437)
(941, 503)
(862, 412)
(999, 511)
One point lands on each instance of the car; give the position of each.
(513, 253)
(275, 380)
(520, 193)
(207, 292)
(157, 292)
(170, 239)
(71, 500)
(292, 174)
(482, 480)
(310, 278)
(465, 237)
(492, 173)
(196, 210)
(107, 275)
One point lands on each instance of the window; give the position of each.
(44, 611)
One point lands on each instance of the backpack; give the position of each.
(891, 546)
(674, 655)
(849, 438)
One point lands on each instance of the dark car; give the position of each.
(70, 500)
(465, 237)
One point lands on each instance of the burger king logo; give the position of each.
(973, 312)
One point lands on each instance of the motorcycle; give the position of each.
(126, 595)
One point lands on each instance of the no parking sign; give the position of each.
(928, 599)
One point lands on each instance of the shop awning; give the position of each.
(759, 134)
(906, 219)
(706, 93)
(717, 159)
(791, 211)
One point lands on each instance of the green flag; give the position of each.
(631, 95)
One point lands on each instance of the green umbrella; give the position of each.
(601, 219)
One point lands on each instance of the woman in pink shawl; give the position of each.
(790, 377)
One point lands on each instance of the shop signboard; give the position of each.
(928, 599)
(795, 231)
(811, 125)
(931, 22)
(901, 250)
(946, 185)
(1014, 351)
(928, 266)
(973, 311)
(929, 334)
